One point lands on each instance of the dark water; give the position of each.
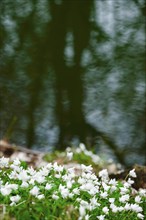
(68, 71)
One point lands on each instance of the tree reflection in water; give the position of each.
(41, 39)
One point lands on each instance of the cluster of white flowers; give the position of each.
(93, 197)
(94, 157)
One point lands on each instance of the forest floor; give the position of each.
(38, 159)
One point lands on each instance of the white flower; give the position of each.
(71, 170)
(41, 196)
(31, 181)
(34, 191)
(101, 217)
(48, 186)
(49, 166)
(76, 191)
(120, 209)
(87, 217)
(38, 177)
(58, 175)
(93, 201)
(132, 173)
(64, 191)
(84, 203)
(111, 200)
(142, 192)
(70, 195)
(82, 146)
(130, 181)
(105, 210)
(44, 171)
(55, 197)
(68, 149)
(72, 174)
(86, 168)
(87, 186)
(103, 194)
(137, 199)
(114, 208)
(16, 162)
(113, 182)
(78, 150)
(127, 206)
(57, 168)
(124, 198)
(23, 175)
(104, 175)
(127, 185)
(82, 211)
(69, 155)
(69, 184)
(13, 174)
(15, 199)
(93, 191)
(113, 188)
(24, 184)
(13, 186)
(5, 191)
(124, 190)
(7, 188)
(136, 208)
(139, 215)
(105, 186)
(31, 171)
(89, 176)
(4, 162)
(81, 180)
(16, 168)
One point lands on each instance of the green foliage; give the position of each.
(54, 192)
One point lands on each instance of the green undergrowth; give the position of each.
(80, 156)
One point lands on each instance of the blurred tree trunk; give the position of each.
(74, 17)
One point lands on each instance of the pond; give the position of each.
(68, 71)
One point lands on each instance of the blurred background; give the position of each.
(73, 71)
